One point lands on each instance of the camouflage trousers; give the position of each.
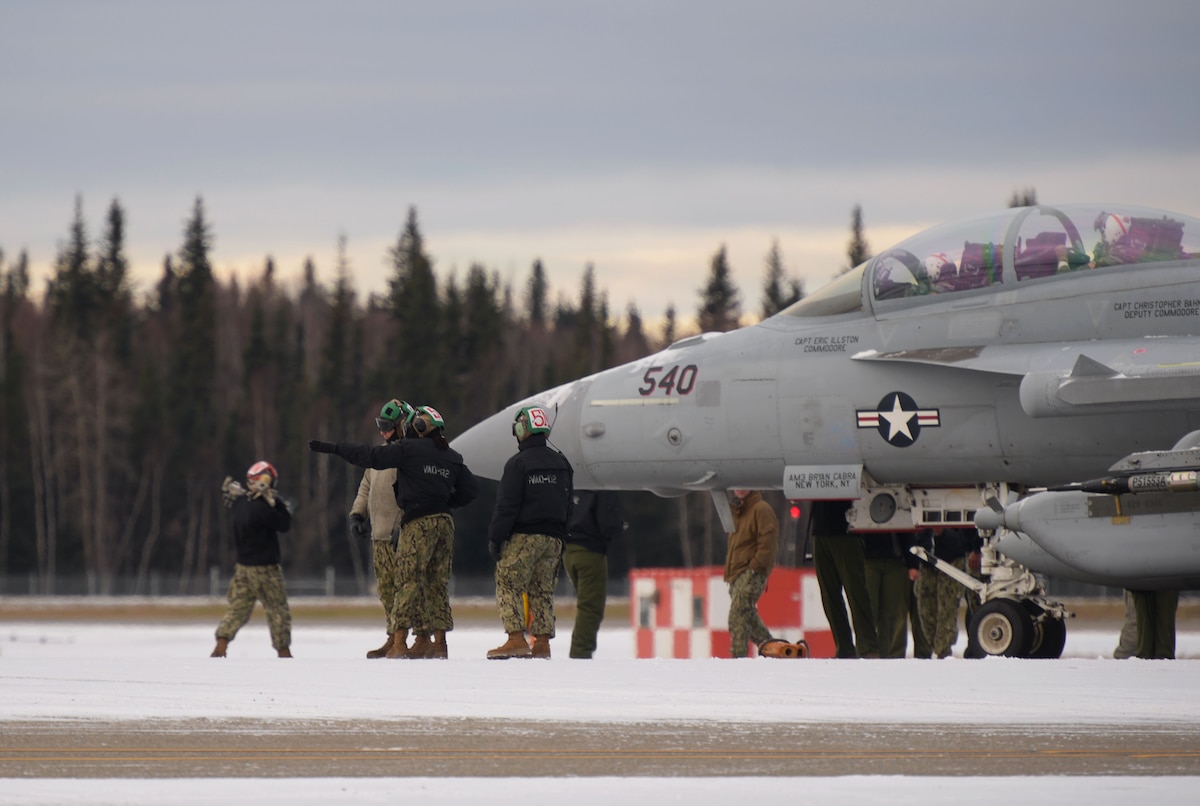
(258, 583)
(938, 599)
(921, 645)
(384, 559)
(744, 622)
(424, 556)
(528, 564)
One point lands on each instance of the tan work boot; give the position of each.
(219, 651)
(383, 650)
(515, 647)
(286, 652)
(399, 645)
(437, 649)
(541, 647)
(421, 647)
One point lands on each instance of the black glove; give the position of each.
(317, 446)
(359, 526)
(494, 550)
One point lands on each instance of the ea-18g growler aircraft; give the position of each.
(1035, 373)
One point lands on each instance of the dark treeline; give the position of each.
(120, 415)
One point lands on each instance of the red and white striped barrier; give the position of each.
(683, 612)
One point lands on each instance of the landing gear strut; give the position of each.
(1015, 620)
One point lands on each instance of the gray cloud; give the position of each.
(300, 120)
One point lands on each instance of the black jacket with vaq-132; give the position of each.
(429, 480)
(534, 496)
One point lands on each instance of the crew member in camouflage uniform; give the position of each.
(431, 480)
(525, 538)
(922, 648)
(749, 560)
(258, 517)
(939, 596)
(375, 512)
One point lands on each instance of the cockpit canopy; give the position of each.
(1007, 249)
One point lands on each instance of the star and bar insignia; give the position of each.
(898, 419)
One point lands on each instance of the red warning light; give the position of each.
(794, 511)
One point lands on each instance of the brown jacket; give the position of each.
(754, 539)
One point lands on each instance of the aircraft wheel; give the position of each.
(1001, 627)
(1053, 640)
(1049, 635)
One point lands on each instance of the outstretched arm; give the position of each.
(380, 457)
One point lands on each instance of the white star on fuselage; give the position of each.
(898, 420)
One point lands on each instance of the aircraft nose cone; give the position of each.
(488, 445)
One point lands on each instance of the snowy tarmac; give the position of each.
(102, 713)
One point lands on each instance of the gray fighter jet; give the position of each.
(1035, 373)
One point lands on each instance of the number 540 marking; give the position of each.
(680, 380)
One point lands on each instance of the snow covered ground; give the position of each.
(65, 671)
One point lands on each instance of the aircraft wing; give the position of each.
(1075, 378)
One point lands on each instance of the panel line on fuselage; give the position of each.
(637, 401)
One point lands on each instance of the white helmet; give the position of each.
(1112, 227)
(939, 264)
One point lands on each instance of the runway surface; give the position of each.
(474, 747)
(105, 708)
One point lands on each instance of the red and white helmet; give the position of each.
(259, 469)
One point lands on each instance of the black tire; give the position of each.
(1000, 627)
(1049, 634)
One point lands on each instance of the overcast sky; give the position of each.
(636, 136)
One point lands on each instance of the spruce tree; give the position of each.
(71, 294)
(532, 369)
(413, 299)
(720, 306)
(587, 341)
(112, 281)
(193, 362)
(857, 250)
(775, 296)
(535, 295)
(16, 482)
(484, 360)
(1026, 197)
(340, 378)
(669, 332)
(191, 376)
(634, 343)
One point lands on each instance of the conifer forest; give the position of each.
(122, 410)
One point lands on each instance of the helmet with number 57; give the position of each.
(530, 420)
